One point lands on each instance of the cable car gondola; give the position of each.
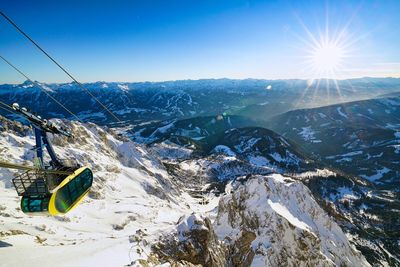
(50, 189)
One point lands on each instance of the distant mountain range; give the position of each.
(362, 137)
(135, 103)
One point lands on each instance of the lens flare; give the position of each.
(327, 57)
(326, 54)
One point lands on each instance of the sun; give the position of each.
(328, 52)
(327, 58)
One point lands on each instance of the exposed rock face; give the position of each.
(194, 244)
(12, 126)
(274, 221)
(263, 221)
(241, 253)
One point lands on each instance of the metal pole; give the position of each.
(8, 165)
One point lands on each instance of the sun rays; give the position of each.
(326, 55)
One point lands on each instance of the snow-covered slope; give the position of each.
(358, 137)
(282, 225)
(261, 221)
(361, 139)
(132, 199)
(142, 193)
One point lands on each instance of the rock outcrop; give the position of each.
(274, 221)
(194, 244)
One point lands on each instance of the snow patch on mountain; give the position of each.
(224, 150)
(378, 175)
(343, 193)
(170, 151)
(285, 213)
(123, 87)
(308, 134)
(316, 173)
(258, 161)
(246, 145)
(341, 113)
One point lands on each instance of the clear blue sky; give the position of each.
(169, 40)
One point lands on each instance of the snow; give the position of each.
(374, 156)
(134, 198)
(165, 128)
(396, 149)
(129, 110)
(283, 211)
(277, 157)
(189, 224)
(391, 102)
(28, 86)
(123, 87)
(263, 103)
(395, 127)
(132, 192)
(343, 193)
(316, 173)
(346, 156)
(354, 153)
(109, 252)
(224, 150)
(90, 115)
(339, 110)
(378, 175)
(246, 145)
(45, 88)
(345, 159)
(308, 134)
(170, 151)
(190, 166)
(258, 161)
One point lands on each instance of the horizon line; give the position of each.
(222, 78)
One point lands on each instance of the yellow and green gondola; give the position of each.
(62, 199)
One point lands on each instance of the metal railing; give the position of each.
(31, 183)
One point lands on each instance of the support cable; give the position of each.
(62, 68)
(4, 164)
(7, 109)
(40, 87)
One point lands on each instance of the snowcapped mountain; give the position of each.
(364, 132)
(136, 103)
(361, 139)
(281, 224)
(262, 221)
(143, 194)
(191, 176)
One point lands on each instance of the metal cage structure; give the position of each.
(31, 183)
